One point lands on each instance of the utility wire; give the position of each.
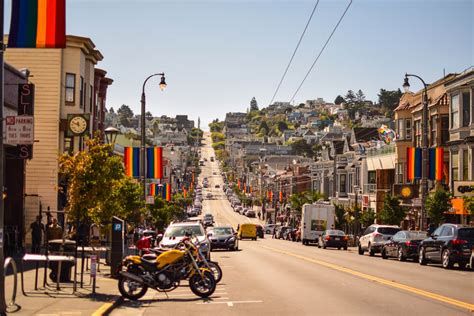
(294, 52)
(322, 50)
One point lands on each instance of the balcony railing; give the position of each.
(370, 188)
(385, 150)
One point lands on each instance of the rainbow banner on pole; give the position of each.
(281, 196)
(168, 192)
(436, 164)
(131, 160)
(414, 163)
(154, 166)
(153, 189)
(38, 24)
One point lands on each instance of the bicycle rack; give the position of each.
(12, 305)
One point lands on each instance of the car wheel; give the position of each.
(345, 248)
(361, 251)
(400, 255)
(384, 254)
(371, 251)
(421, 257)
(338, 248)
(446, 260)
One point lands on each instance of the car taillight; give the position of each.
(408, 243)
(328, 238)
(376, 235)
(346, 238)
(458, 242)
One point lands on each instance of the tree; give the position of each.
(125, 111)
(469, 204)
(367, 217)
(350, 98)
(392, 213)
(253, 105)
(360, 97)
(218, 145)
(217, 137)
(282, 126)
(340, 216)
(339, 99)
(97, 185)
(263, 128)
(389, 100)
(111, 110)
(437, 203)
(216, 126)
(301, 147)
(297, 201)
(148, 115)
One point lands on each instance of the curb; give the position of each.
(106, 308)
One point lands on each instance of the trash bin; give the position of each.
(66, 266)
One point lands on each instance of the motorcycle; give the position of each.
(165, 272)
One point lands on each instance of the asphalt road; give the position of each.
(277, 277)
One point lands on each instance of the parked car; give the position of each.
(374, 238)
(403, 245)
(238, 208)
(333, 238)
(269, 228)
(250, 213)
(449, 244)
(177, 231)
(223, 238)
(209, 195)
(208, 220)
(289, 234)
(217, 186)
(281, 230)
(260, 232)
(193, 212)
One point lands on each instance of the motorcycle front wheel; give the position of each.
(131, 289)
(203, 286)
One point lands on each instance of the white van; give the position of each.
(316, 218)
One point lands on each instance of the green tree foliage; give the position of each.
(217, 137)
(282, 126)
(389, 100)
(97, 185)
(469, 204)
(111, 110)
(367, 217)
(125, 113)
(253, 105)
(263, 128)
(148, 115)
(301, 147)
(218, 145)
(392, 213)
(340, 216)
(162, 213)
(297, 200)
(339, 99)
(216, 126)
(360, 97)
(437, 203)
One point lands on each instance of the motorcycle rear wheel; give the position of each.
(216, 270)
(130, 289)
(203, 287)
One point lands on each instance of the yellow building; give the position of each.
(65, 87)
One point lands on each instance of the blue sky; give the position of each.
(219, 54)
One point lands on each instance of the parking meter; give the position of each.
(117, 246)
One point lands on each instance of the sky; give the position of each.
(218, 54)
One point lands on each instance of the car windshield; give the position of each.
(388, 230)
(335, 232)
(417, 235)
(222, 231)
(466, 233)
(180, 231)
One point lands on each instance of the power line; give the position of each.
(322, 50)
(294, 52)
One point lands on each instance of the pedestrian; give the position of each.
(55, 231)
(274, 232)
(259, 215)
(37, 230)
(431, 229)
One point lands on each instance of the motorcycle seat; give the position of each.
(149, 264)
(149, 257)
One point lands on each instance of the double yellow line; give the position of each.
(434, 296)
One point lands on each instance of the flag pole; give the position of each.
(3, 305)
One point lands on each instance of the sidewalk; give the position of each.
(51, 302)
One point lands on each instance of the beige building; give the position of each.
(65, 84)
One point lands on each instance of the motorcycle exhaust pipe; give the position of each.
(133, 277)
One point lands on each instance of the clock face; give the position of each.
(78, 125)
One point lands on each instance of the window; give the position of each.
(454, 165)
(466, 109)
(455, 111)
(399, 176)
(434, 127)
(342, 183)
(437, 232)
(418, 133)
(81, 93)
(351, 187)
(70, 87)
(447, 231)
(401, 128)
(357, 176)
(372, 177)
(465, 164)
(444, 129)
(408, 129)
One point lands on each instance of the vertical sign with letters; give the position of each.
(26, 99)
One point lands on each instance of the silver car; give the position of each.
(375, 237)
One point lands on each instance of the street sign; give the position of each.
(150, 199)
(26, 98)
(416, 202)
(93, 266)
(463, 188)
(20, 130)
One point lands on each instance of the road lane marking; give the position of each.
(233, 302)
(390, 283)
(230, 304)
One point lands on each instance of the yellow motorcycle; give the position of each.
(165, 272)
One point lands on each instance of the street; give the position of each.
(278, 277)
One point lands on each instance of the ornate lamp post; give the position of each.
(111, 134)
(424, 167)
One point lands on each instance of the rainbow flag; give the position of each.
(414, 163)
(38, 24)
(154, 166)
(168, 192)
(153, 189)
(281, 196)
(238, 183)
(436, 164)
(131, 160)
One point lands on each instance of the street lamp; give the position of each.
(111, 134)
(162, 86)
(424, 166)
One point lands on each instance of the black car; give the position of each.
(333, 238)
(403, 245)
(223, 238)
(260, 232)
(449, 244)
